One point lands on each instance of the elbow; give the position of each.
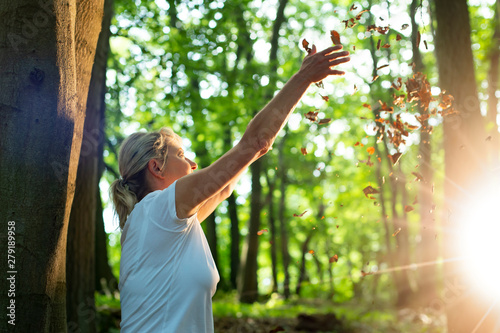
(257, 145)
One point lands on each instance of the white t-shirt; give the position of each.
(167, 272)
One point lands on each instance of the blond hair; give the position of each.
(135, 153)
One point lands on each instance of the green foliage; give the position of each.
(203, 68)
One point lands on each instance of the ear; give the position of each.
(154, 167)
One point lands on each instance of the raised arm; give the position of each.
(193, 191)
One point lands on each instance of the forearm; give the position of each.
(265, 126)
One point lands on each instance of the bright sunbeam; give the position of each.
(480, 237)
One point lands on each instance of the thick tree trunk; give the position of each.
(80, 255)
(46, 55)
(464, 142)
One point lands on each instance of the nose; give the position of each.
(194, 166)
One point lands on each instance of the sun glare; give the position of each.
(480, 237)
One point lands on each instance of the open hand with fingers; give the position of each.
(319, 65)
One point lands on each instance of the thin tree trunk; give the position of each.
(235, 239)
(492, 115)
(272, 226)
(249, 284)
(302, 269)
(285, 255)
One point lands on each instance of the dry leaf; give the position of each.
(395, 157)
(306, 47)
(396, 232)
(370, 150)
(383, 66)
(300, 215)
(378, 44)
(405, 26)
(369, 190)
(303, 151)
(326, 98)
(324, 121)
(335, 258)
(408, 208)
(260, 232)
(311, 115)
(335, 37)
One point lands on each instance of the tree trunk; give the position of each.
(427, 249)
(235, 239)
(46, 57)
(302, 269)
(285, 256)
(249, 286)
(80, 255)
(464, 142)
(494, 136)
(272, 231)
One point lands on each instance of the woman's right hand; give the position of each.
(319, 65)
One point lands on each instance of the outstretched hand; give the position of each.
(319, 65)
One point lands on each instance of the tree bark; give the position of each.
(235, 239)
(464, 142)
(249, 289)
(80, 255)
(427, 249)
(47, 51)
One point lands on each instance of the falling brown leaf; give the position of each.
(408, 208)
(369, 190)
(335, 37)
(303, 151)
(368, 106)
(370, 150)
(354, 47)
(335, 258)
(358, 16)
(386, 46)
(395, 157)
(311, 115)
(299, 215)
(311, 251)
(355, 89)
(306, 47)
(375, 77)
(419, 36)
(425, 43)
(398, 37)
(405, 26)
(378, 44)
(419, 178)
(326, 98)
(324, 121)
(396, 232)
(260, 232)
(383, 66)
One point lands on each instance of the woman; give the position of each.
(167, 273)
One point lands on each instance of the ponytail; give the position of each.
(135, 153)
